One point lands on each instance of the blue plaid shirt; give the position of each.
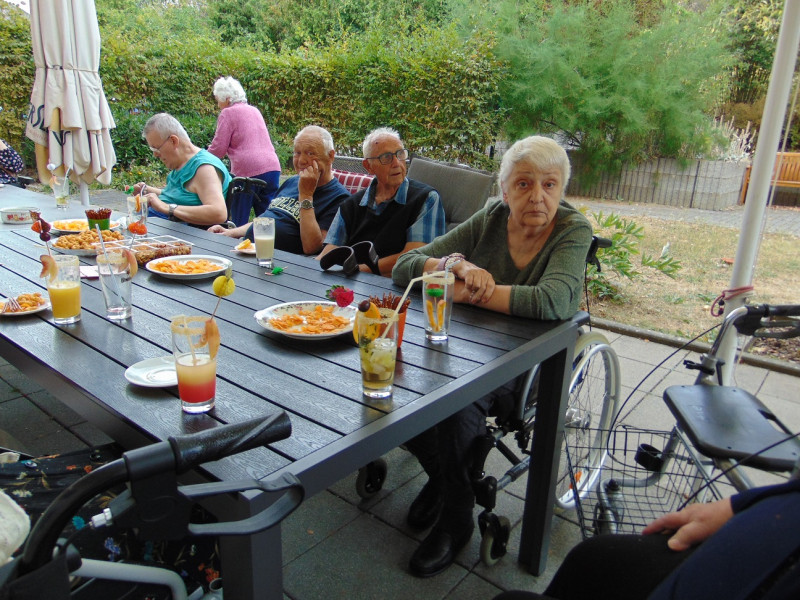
(429, 225)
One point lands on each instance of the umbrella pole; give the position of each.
(763, 161)
(84, 193)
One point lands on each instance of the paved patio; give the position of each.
(336, 546)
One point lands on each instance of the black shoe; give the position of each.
(342, 256)
(365, 255)
(425, 508)
(438, 551)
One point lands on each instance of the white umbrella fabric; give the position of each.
(69, 116)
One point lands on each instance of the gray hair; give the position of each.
(228, 88)
(165, 125)
(324, 134)
(539, 151)
(376, 134)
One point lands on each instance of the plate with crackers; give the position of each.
(308, 319)
(29, 304)
(188, 266)
(83, 243)
(68, 226)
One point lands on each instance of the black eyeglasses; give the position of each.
(386, 157)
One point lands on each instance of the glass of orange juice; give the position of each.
(195, 363)
(65, 290)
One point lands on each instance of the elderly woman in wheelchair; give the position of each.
(523, 255)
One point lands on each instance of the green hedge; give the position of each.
(437, 90)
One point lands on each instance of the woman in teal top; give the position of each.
(197, 182)
(524, 256)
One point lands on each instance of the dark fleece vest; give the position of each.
(386, 231)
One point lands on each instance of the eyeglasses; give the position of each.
(158, 150)
(386, 157)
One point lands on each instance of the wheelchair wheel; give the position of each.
(370, 478)
(593, 397)
(495, 532)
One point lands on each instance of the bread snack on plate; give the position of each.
(85, 240)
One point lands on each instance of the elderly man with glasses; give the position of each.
(395, 213)
(197, 181)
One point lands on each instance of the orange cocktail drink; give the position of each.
(195, 341)
(64, 288)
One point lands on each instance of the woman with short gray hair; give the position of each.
(242, 135)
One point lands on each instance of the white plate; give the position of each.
(223, 263)
(56, 230)
(251, 250)
(280, 310)
(153, 372)
(38, 309)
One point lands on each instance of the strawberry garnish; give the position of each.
(341, 295)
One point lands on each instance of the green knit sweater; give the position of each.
(548, 287)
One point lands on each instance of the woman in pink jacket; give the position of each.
(242, 135)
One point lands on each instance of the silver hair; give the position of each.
(327, 138)
(376, 134)
(228, 88)
(165, 125)
(539, 151)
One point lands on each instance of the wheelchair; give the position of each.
(238, 187)
(594, 393)
(154, 507)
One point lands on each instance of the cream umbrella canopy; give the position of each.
(69, 117)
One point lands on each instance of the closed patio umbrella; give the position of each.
(69, 117)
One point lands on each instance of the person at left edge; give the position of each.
(197, 181)
(306, 203)
(242, 135)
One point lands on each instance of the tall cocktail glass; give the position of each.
(65, 290)
(115, 279)
(137, 213)
(60, 185)
(378, 353)
(264, 238)
(437, 299)
(195, 363)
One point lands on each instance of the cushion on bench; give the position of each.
(463, 190)
(353, 182)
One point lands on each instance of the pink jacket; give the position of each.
(243, 136)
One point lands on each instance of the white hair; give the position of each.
(227, 88)
(165, 125)
(324, 134)
(539, 151)
(374, 135)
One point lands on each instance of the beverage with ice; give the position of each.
(60, 185)
(437, 298)
(195, 341)
(115, 281)
(264, 238)
(377, 347)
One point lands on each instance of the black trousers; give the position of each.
(618, 567)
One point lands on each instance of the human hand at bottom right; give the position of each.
(692, 525)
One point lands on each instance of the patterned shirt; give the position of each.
(429, 225)
(10, 164)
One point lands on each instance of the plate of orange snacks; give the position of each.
(188, 266)
(310, 319)
(29, 304)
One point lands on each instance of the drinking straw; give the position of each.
(117, 291)
(405, 294)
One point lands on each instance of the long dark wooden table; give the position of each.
(335, 431)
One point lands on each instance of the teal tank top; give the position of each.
(176, 193)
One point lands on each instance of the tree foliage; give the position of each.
(621, 92)
(16, 76)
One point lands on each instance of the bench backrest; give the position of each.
(462, 190)
(789, 166)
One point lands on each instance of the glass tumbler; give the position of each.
(65, 290)
(115, 280)
(437, 298)
(264, 238)
(377, 347)
(195, 363)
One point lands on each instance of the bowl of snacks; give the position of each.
(17, 215)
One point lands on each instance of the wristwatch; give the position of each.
(172, 208)
(306, 204)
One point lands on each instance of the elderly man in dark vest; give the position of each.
(396, 214)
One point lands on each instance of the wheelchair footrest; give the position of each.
(725, 422)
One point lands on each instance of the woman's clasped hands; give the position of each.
(473, 285)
